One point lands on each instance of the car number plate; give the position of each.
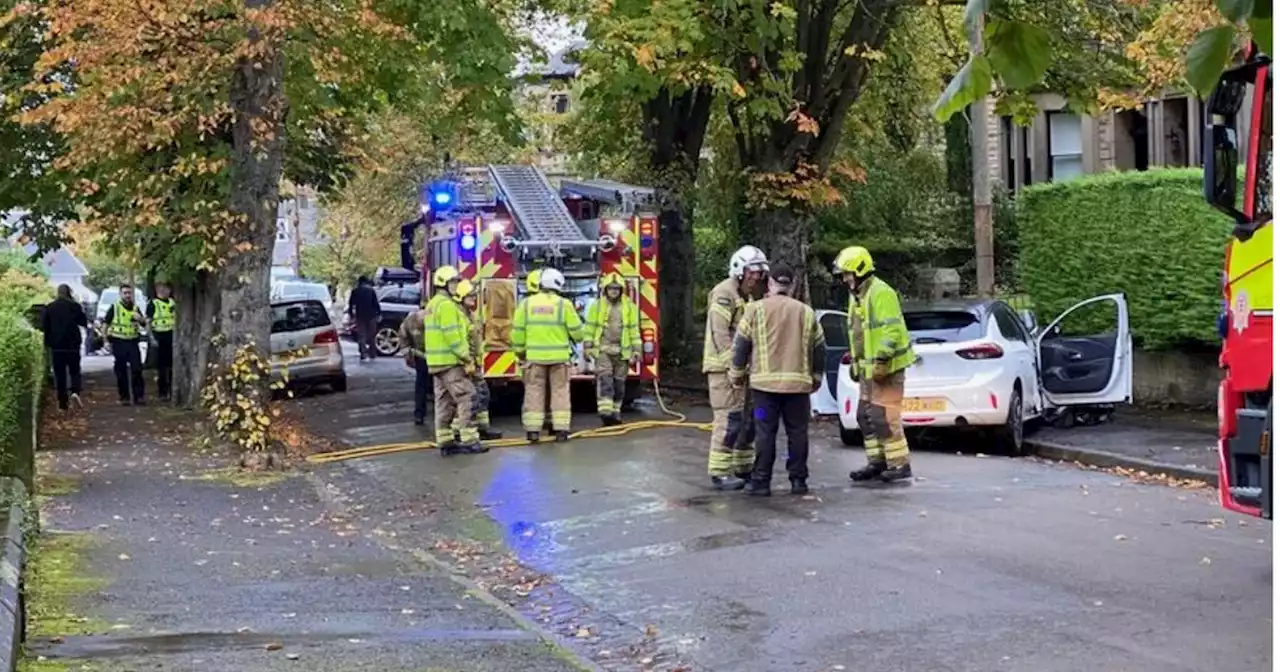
(923, 405)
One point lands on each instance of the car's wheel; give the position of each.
(339, 384)
(850, 437)
(1010, 436)
(387, 341)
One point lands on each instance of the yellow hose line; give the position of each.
(680, 422)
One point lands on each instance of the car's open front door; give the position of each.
(1086, 355)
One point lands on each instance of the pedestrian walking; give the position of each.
(61, 323)
(470, 299)
(124, 321)
(542, 336)
(449, 357)
(161, 312)
(411, 342)
(880, 348)
(781, 341)
(730, 459)
(613, 342)
(364, 309)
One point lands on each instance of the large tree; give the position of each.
(184, 115)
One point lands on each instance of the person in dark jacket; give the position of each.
(363, 307)
(61, 322)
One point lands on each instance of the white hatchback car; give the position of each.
(980, 364)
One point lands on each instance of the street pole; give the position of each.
(983, 236)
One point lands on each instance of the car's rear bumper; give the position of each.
(967, 406)
(310, 369)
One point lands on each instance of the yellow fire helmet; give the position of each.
(533, 283)
(463, 289)
(443, 276)
(612, 280)
(855, 260)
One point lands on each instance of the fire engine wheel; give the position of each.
(387, 341)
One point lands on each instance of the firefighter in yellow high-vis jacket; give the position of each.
(880, 348)
(613, 341)
(467, 295)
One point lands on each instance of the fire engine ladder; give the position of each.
(538, 210)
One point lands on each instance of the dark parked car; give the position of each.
(397, 302)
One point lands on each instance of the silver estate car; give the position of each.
(304, 341)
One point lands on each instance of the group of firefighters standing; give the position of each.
(762, 355)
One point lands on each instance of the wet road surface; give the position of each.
(195, 567)
(984, 563)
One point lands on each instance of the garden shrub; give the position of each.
(1148, 234)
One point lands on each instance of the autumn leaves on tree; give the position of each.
(179, 118)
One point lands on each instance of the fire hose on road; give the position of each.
(681, 422)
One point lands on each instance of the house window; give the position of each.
(1007, 130)
(282, 230)
(1066, 149)
(561, 103)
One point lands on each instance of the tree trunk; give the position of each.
(198, 305)
(675, 275)
(257, 160)
(983, 237)
(784, 236)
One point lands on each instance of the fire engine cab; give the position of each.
(499, 223)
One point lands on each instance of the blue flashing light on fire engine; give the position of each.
(441, 196)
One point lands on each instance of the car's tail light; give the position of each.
(846, 359)
(982, 351)
(329, 336)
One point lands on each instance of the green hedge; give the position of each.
(22, 369)
(1147, 234)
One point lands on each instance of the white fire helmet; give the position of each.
(747, 258)
(552, 279)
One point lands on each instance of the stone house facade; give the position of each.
(1061, 144)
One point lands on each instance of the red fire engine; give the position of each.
(1243, 97)
(498, 223)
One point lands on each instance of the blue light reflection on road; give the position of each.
(512, 500)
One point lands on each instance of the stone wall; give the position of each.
(1179, 378)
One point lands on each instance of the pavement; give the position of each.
(617, 549)
(984, 563)
(1184, 439)
(183, 564)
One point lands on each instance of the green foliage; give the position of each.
(1147, 234)
(105, 270)
(1030, 45)
(21, 366)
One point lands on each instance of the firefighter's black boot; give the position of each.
(487, 434)
(758, 489)
(448, 448)
(898, 473)
(469, 449)
(561, 436)
(727, 483)
(799, 486)
(870, 472)
(532, 437)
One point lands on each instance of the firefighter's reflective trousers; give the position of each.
(541, 381)
(480, 403)
(454, 393)
(611, 382)
(880, 418)
(729, 455)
